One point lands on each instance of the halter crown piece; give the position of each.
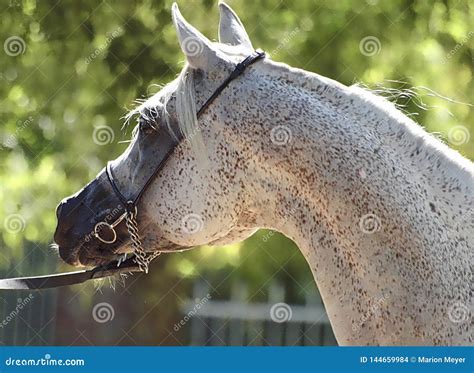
(141, 260)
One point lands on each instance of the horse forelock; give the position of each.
(182, 90)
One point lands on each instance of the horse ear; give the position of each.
(231, 30)
(199, 51)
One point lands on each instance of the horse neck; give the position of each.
(379, 209)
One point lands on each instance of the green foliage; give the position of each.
(83, 63)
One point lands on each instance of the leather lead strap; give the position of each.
(69, 278)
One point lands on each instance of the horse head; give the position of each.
(197, 197)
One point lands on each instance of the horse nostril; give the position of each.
(67, 256)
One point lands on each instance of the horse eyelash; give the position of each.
(145, 121)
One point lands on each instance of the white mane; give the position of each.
(182, 88)
(384, 108)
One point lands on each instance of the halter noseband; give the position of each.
(142, 259)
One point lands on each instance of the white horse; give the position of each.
(381, 210)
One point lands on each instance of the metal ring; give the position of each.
(98, 228)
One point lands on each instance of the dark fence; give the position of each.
(235, 322)
(28, 317)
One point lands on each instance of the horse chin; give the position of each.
(87, 259)
(97, 256)
(88, 255)
(92, 255)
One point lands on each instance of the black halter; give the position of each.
(139, 263)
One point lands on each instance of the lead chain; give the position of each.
(141, 257)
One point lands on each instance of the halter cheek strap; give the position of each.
(141, 260)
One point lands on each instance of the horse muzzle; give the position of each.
(90, 225)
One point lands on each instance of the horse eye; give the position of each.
(145, 125)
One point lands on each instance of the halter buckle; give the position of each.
(110, 228)
(99, 227)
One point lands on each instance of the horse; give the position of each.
(380, 209)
